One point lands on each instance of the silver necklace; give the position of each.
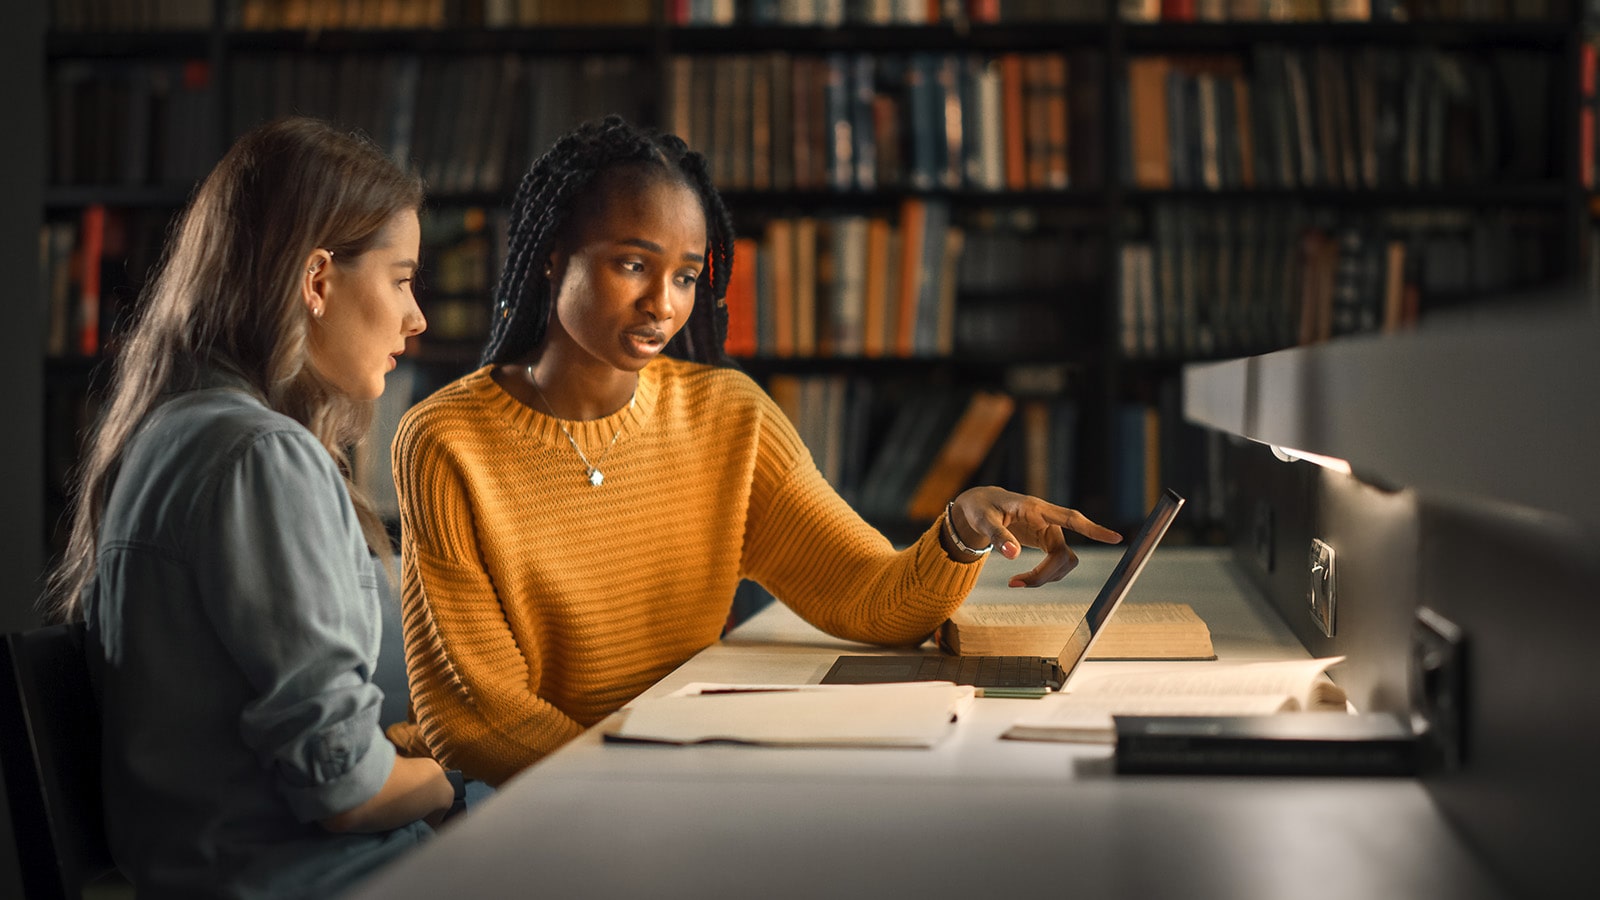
(596, 477)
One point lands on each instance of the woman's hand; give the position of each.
(990, 515)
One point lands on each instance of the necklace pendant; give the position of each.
(596, 476)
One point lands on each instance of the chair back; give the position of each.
(50, 757)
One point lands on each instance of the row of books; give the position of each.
(131, 122)
(1324, 117)
(470, 123)
(1212, 281)
(314, 15)
(837, 13)
(1183, 11)
(848, 285)
(868, 121)
(1363, 117)
(1155, 448)
(899, 452)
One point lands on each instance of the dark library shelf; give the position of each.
(564, 40)
(114, 45)
(1211, 36)
(153, 197)
(1066, 210)
(1539, 193)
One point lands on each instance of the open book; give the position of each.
(916, 714)
(1137, 631)
(1083, 713)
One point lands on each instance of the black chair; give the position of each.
(50, 756)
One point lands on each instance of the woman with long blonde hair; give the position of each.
(226, 566)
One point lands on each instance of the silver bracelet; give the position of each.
(955, 537)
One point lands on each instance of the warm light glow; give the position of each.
(1289, 454)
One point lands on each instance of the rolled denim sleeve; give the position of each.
(292, 593)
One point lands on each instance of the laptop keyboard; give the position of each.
(988, 671)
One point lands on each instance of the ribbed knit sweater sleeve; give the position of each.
(535, 603)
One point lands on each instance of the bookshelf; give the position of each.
(1062, 201)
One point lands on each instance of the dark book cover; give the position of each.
(1286, 744)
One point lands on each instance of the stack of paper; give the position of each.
(849, 715)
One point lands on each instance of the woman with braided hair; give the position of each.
(577, 513)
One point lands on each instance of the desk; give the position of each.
(609, 820)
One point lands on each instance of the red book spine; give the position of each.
(91, 246)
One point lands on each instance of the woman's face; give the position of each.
(368, 309)
(624, 280)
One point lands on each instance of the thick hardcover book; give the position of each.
(1291, 744)
(1139, 631)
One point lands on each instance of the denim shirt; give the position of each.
(235, 624)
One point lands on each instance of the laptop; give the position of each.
(1022, 671)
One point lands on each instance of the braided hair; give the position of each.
(554, 186)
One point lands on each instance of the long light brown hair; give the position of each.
(226, 297)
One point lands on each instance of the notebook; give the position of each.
(1023, 671)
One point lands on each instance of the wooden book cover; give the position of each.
(1137, 631)
(1058, 135)
(1244, 135)
(803, 95)
(806, 283)
(1151, 145)
(741, 127)
(874, 325)
(1036, 115)
(742, 300)
(1014, 116)
(680, 69)
(781, 85)
(964, 450)
(760, 124)
(780, 243)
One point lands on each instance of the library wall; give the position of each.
(937, 203)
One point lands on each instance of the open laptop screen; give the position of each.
(1121, 580)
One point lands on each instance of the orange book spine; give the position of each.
(1014, 115)
(741, 300)
(965, 449)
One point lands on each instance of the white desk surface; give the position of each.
(974, 817)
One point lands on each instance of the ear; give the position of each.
(314, 282)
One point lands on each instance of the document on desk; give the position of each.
(852, 715)
(1084, 713)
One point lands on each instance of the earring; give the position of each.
(316, 311)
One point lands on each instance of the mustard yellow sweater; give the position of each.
(536, 604)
